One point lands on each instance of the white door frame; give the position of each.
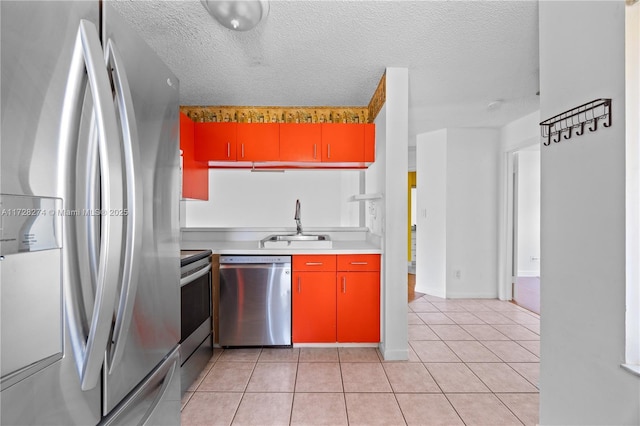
(507, 260)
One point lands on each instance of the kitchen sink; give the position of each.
(296, 241)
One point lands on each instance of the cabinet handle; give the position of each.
(328, 150)
(344, 284)
(242, 147)
(314, 263)
(299, 285)
(359, 263)
(228, 149)
(315, 151)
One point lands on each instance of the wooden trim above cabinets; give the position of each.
(278, 114)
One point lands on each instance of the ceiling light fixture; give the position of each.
(240, 15)
(494, 105)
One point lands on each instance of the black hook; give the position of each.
(581, 129)
(559, 137)
(548, 142)
(595, 125)
(568, 135)
(607, 110)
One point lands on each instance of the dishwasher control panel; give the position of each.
(254, 259)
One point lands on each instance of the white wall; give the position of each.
(529, 212)
(458, 171)
(389, 177)
(583, 222)
(472, 212)
(633, 182)
(240, 198)
(375, 178)
(521, 133)
(431, 229)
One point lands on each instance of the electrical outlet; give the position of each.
(457, 274)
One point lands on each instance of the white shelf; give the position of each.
(365, 197)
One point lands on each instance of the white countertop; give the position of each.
(247, 241)
(252, 247)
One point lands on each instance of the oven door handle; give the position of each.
(186, 280)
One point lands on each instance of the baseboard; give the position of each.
(335, 345)
(395, 354)
(437, 292)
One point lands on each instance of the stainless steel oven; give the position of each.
(196, 341)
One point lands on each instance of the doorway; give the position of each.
(411, 249)
(525, 201)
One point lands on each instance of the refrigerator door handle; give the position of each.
(150, 394)
(134, 213)
(166, 383)
(89, 341)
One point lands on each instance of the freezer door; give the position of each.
(147, 320)
(155, 402)
(37, 42)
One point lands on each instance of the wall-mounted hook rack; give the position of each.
(589, 113)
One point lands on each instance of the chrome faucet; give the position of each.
(297, 218)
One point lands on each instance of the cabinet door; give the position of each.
(343, 143)
(358, 306)
(215, 141)
(314, 307)
(314, 262)
(300, 142)
(369, 143)
(258, 142)
(358, 262)
(195, 174)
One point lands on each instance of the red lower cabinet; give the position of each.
(330, 306)
(314, 307)
(358, 306)
(314, 299)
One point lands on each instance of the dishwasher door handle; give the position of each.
(255, 266)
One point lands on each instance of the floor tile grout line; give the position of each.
(508, 408)
(340, 361)
(454, 409)
(344, 394)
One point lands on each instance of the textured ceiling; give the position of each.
(461, 55)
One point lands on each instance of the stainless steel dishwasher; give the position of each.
(255, 301)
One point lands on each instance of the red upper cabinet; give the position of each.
(195, 174)
(258, 142)
(231, 144)
(216, 141)
(300, 142)
(369, 143)
(343, 143)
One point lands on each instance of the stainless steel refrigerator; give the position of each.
(89, 253)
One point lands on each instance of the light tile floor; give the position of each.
(471, 361)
